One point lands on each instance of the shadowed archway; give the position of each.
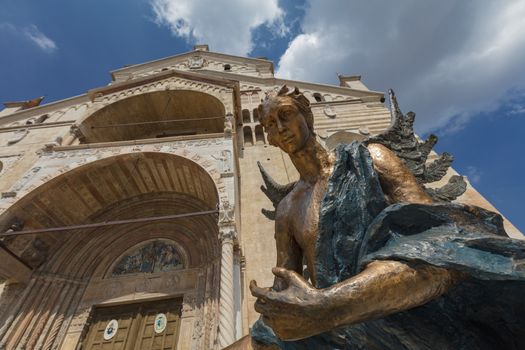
(155, 114)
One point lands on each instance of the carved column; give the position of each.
(226, 306)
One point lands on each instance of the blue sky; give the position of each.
(457, 64)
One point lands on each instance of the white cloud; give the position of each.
(225, 26)
(446, 60)
(39, 38)
(31, 33)
(473, 174)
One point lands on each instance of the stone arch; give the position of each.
(78, 195)
(154, 114)
(53, 308)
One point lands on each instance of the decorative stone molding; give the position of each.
(222, 93)
(26, 179)
(57, 162)
(17, 136)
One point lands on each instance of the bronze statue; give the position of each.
(378, 270)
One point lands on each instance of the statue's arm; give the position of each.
(383, 288)
(289, 254)
(397, 182)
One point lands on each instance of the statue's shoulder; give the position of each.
(402, 141)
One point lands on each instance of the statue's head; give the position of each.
(287, 119)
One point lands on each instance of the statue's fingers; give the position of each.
(257, 291)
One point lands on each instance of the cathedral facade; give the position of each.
(130, 216)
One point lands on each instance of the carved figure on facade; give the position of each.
(229, 121)
(390, 263)
(156, 256)
(225, 162)
(196, 62)
(226, 213)
(36, 253)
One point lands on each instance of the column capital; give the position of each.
(227, 234)
(76, 132)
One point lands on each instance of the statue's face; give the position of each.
(285, 125)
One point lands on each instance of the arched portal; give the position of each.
(73, 280)
(154, 115)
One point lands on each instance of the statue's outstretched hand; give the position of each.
(297, 312)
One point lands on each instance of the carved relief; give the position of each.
(228, 124)
(227, 213)
(26, 179)
(6, 162)
(225, 163)
(36, 253)
(329, 111)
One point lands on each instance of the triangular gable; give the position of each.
(197, 60)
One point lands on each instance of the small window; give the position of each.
(38, 120)
(255, 115)
(259, 135)
(246, 116)
(318, 97)
(42, 118)
(248, 137)
(227, 67)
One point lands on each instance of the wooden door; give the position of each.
(148, 338)
(136, 327)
